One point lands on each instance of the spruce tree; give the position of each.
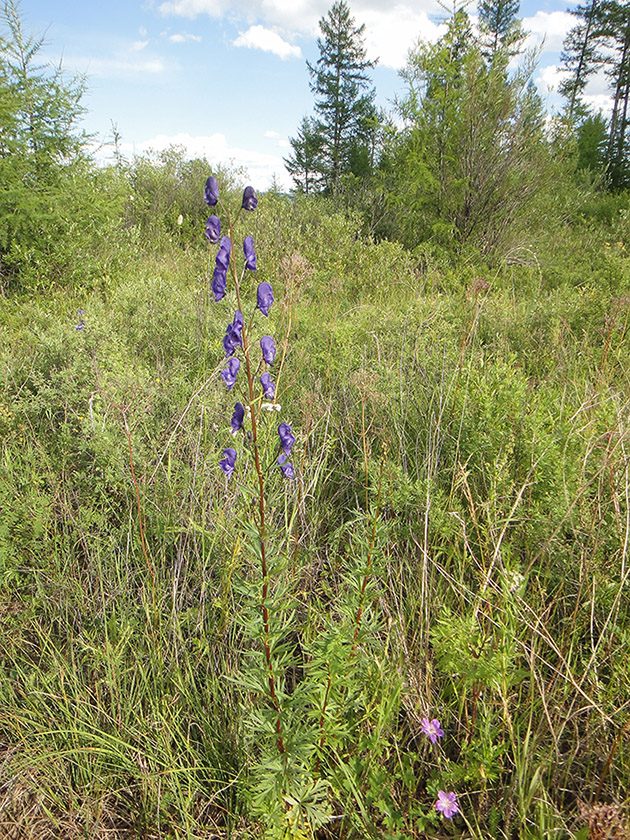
(344, 102)
(305, 164)
(500, 26)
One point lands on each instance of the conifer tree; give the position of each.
(344, 102)
(602, 40)
(580, 55)
(500, 26)
(305, 164)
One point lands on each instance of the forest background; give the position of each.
(196, 649)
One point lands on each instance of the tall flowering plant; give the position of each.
(309, 735)
(256, 436)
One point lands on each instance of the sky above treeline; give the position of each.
(227, 79)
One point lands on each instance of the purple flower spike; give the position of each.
(268, 348)
(250, 202)
(219, 283)
(447, 804)
(213, 229)
(265, 297)
(269, 389)
(229, 374)
(432, 728)
(287, 438)
(211, 192)
(250, 254)
(223, 254)
(237, 418)
(228, 462)
(81, 324)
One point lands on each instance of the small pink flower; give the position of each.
(432, 728)
(447, 804)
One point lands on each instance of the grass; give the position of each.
(491, 409)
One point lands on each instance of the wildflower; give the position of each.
(433, 729)
(219, 283)
(250, 202)
(180, 220)
(232, 338)
(211, 192)
(265, 297)
(237, 418)
(250, 254)
(229, 374)
(268, 348)
(271, 406)
(287, 438)
(223, 254)
(285, 465)
(287, 470)
(228, 461)
(81, 323)
(269, 389)
(447, 804)
(213, 229)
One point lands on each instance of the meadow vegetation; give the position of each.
(453, 547)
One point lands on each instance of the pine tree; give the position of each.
(344, 101)
(500, 27)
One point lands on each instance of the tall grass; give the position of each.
(464, 456)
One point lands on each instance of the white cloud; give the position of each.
(282, 142)
(599, 102)
(550, 27)
(389, 35)
(182, 37)
(261, 168)
(550, 77)
(115, 67)
(192, 8)
(137, 46)
(389, 31)
(261, 38)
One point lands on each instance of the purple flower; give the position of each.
(265, 297)
(229, 374)
(268, 348)
(228, 462)
(223, 254)
(250, 202)
(250, 254)
(447, 804)
(219, 283)
(81, 324)
(287, 438)
(211, 192)
(213, 229)
(287, 470)
(269, 389)
(285, 465)
(433, 729)
(232, 338)
(237, 418)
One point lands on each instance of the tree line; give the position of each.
(474, 140)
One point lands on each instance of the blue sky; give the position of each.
(227, 79)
